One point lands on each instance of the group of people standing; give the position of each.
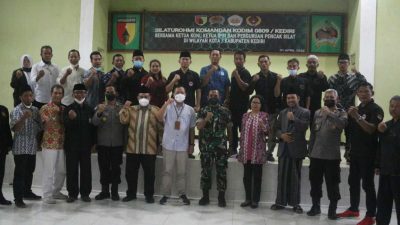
(67, 112)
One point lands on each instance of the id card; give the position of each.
(177, 125)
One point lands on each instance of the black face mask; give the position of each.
(27, 69)
(329, 103)
(110, 97)
(213, 101)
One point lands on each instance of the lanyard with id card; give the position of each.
(178, 114)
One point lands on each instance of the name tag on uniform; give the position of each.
(177, 125)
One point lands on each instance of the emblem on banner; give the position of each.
(200, 20)
(126, 30)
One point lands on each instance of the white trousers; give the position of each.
(53, 171)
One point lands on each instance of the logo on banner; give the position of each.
(126, 30)
(200, 20)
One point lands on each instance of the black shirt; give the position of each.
(190, 81)
(316, 86)
(5, 132)
(265, 87)
(239, 100)
(17, 84)
(79, 132)
(117, 83)
(364, 145)
(389, 151)
(297, 84)
(130, 85)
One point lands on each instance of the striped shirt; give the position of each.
(144, 130)
(346, 85)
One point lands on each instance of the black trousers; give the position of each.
(236, 128)
(79, 172)
(347, 135)
(389, 190)
(252, 178)
(110, 160)
(362, 169)
(133, 162)
(330, 169)
(23, 175)
(3, 156)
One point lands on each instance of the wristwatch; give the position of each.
(360, 118)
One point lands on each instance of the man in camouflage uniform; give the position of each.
(212, 122)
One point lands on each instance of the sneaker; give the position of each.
(348, 214)
(128, 198)
(191, 156)
(71, 199)
(102, 196)
(49, 200)
(20, 204)
(32, 196)
(60, 196)
(150, 199)
(270, 158)
(163, 200)
(315, 210)
(254, 205)
(86, 198)
(367, 221)
(245, 203)
(297, 209)
(115, 196)
(185, 200)
(4, 201)
(277, 207)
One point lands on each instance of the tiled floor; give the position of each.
(138, 212)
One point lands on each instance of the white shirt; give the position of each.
(43, 86)
(76, 77)
(173, 139)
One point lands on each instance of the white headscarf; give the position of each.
(29, 58)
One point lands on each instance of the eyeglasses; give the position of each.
(140, 97)
(257, 103)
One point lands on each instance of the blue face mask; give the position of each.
(99, 69)
(137, 64)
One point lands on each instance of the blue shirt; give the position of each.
(174, 139)
(25, 141)
(219, 80)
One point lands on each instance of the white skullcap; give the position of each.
(312, 57)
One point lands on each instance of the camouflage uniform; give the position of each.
(213, 146)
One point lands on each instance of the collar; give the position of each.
(183, 72)
(368, 103)
(264, 74)
(343, 74)
(76, 67)
(42, 63)
(118, 70)
(175, 104)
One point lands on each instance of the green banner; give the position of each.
(257, 32)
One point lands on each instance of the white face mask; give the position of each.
(28, 106)
(79, 101)
(292, 72)
(144, 102)
(180, 98)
